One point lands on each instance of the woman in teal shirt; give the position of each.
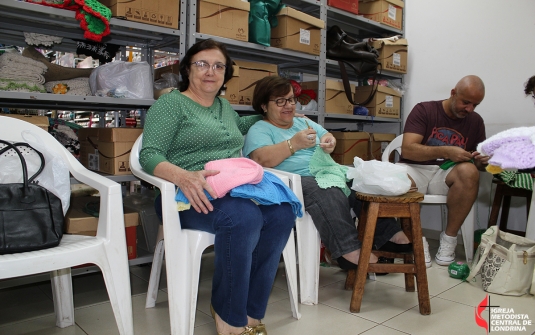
(287, 143)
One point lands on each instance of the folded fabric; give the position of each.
(511, 149)
(327, 172)
(270, 191)
(233, 172)
(76, 86)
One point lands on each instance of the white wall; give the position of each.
(493, 39)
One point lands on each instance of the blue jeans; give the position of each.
(330, 211)
(249, 240)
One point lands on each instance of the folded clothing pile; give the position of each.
(76, 86)
(19, 73)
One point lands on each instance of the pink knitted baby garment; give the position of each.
(233, 172)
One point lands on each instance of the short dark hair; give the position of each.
(529, 88)
(185, 63)
(268, 87)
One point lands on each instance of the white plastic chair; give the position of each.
(467, 229)
(308, 246)
(107, 249)
(183, 249)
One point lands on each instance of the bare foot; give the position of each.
(224, 328)
(353, 257)
(400, 238)
(252, 322)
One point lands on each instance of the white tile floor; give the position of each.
(386, 308)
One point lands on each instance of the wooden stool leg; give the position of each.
(505, 213)
(409, 277)
(350, 280)
(365, 251)
(496, 204)
(419, 261)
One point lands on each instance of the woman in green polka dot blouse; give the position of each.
(183, 131)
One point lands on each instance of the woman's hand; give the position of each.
(304, 139)
(328, 143)
(193, 184)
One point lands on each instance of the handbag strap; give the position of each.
(477, 267)
(347, 86)
(23, 161)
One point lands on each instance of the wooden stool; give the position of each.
(407, 208)
(504, 193)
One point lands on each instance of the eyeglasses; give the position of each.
(281, 102)
(203, 66)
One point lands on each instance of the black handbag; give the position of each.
(31, 217)
(360, 56)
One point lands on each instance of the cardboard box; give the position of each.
(385, 103)
(350, 144)
(335, 97)
(351, 6)
(378, 144)
(165, 13)
(392, 55)
(40, 121)
(297, 31)
(232, 87)
(78, 222)
(241, 87)
(389, 12)
(107, 150)
(224, 18)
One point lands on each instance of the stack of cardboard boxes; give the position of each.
(365, 145)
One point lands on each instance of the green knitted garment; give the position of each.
(94, 17)
(327, 172)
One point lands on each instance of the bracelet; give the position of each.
(290, 146)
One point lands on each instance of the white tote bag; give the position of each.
(505, 262)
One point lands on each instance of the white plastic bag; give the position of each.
(132, 80)
(55, 176)
(376, 177)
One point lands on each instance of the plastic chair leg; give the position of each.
(291, 274)
(156, 271)
(467, 230)
(308, 249)
(63, 298)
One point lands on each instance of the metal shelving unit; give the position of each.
(320, 66)
(17, 17)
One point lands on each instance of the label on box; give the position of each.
(389, 101)
(92, 161)
(396, 59)
(304, 36)
(392, 12)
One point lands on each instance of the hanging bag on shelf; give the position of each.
(505, 261)
(31, 217)
(360, 56)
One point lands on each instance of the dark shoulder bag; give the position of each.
(360, 56)
(31, 217)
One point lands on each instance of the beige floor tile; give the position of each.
(438, 280)
(319, 319)
(382, 330)
(380, 302)
(23, 303)
(45, 325)
(446, 318)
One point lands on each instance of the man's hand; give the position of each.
(457, 154)
(481, 161)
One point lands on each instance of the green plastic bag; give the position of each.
(262, 17)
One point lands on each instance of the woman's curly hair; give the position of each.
(530, 86)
